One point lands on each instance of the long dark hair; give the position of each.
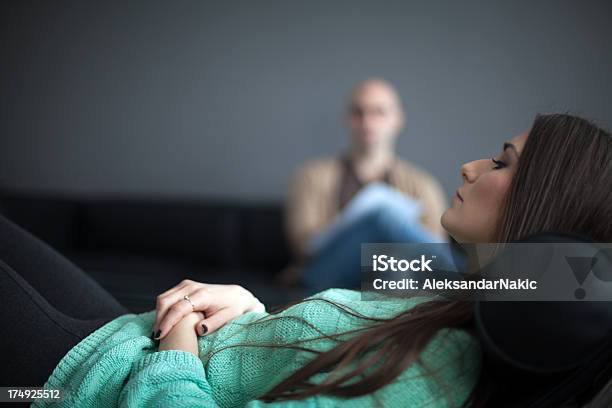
(562, 184)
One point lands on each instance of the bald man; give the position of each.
(323, 189)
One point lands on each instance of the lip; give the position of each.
(458, 196)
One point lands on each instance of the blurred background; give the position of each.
(160, 137)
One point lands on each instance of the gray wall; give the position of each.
(223, 99)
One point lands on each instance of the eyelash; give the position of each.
(498, 164)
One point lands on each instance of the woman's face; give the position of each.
(477, 204)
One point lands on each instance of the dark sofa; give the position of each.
(138, 247)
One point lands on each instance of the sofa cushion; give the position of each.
(53, 220)
(135, 280)
(264, 243)
(203, 231)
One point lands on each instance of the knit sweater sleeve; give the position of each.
(167, 378)
(178, 379)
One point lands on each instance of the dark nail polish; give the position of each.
(157, 334)
(204, 329)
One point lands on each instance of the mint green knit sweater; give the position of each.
(118, 364)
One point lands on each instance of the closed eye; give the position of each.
(498, 164)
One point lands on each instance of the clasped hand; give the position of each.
(215, 305)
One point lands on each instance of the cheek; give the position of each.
(488, 194)
(483, 210)
(353, 122)
(477, 218)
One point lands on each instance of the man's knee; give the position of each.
(383, 215)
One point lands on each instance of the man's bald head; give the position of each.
(375, 115)
(378, 87)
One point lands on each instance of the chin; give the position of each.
(451, 228)
(367, 143)
(444, 220)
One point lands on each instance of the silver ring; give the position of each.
(186, 297)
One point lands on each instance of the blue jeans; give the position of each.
(377, 214)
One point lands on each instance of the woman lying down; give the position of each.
(215, 345)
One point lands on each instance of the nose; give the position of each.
(468, 173)
(367, 118)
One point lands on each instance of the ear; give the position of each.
(401, 120)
